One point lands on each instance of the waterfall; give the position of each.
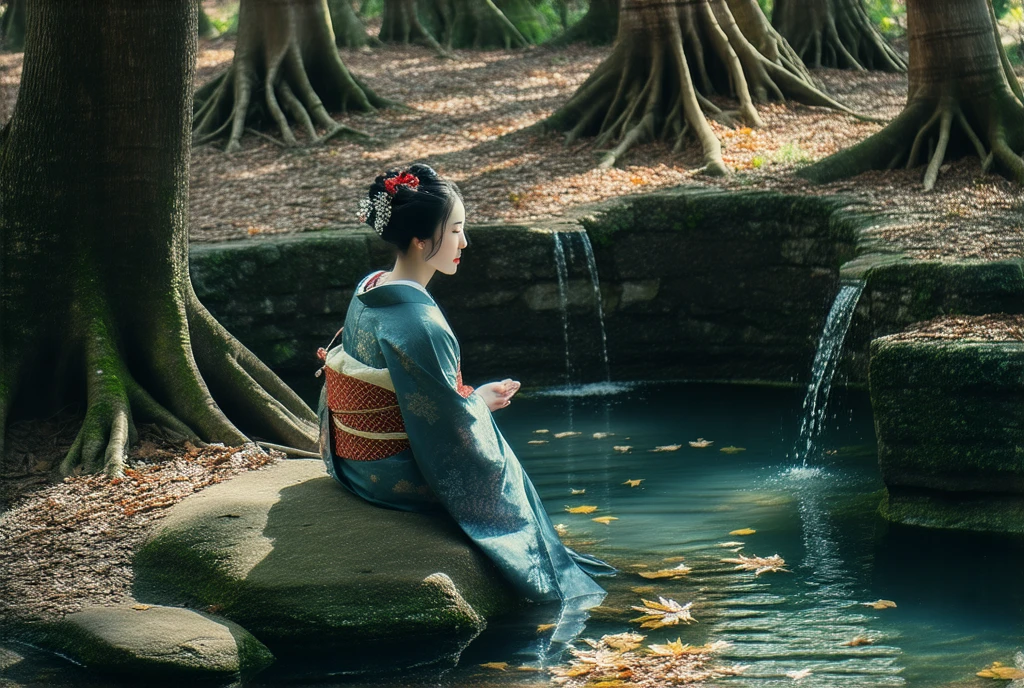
(826, 360)
(592, 267)
(563, 293)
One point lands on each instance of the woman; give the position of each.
(398, 426)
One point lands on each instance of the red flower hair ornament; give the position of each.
(382, 200)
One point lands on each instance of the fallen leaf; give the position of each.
(997, 670)
(545, 627)
(634, 483)
(537, 442)
(540, 432)
(858, 641)
(673, 573)
(605, 519)
(797, 675)
(673, 560)
(667, 448)
(671, 648)
(500, 666)
(581, 509)
(729, 544)
(623, 642)
(664, 612)
(528, 668)
(880, 604)
(643, 589)
(700, 443)
(742, 531)
(578, 492)
(637, 566)
(142, 607)
(560, 435)
(602, 435)
(622, 449)
(758, 565)
(732, 450)
(561, 528)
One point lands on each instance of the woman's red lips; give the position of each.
(457, 260)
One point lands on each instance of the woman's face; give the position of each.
(446, 259)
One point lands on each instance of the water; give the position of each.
(596, 283)
(960, 605)
(826, 359)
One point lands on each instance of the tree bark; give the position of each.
(835, 33)
(449, 24)
(286, 69)
(12, 26)
(95, 298)
(963, 98)
(349, 30)
(597, 27)
(401, 24)
(533, 25)
(668, 58)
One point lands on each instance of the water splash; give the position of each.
(826, 360)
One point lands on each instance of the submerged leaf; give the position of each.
(667, 448)
(997, 670)
(729, 545)
(581, 509)
(700, 443)
(540, 432)
(500, 666)
(880, 604)
(602, 435)
(858, 641)
(797, 675)
(561, 528)
(605, 519)
(537, 442)
(545, 627)
(560, 435)
(634, 483)
(742, 531)
(673, 573)
(732, 450)
(623, 449)
(578, 492)
(757, 564)
(673, 560)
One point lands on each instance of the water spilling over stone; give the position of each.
(565, 254)
(826, 359)
(592, 268)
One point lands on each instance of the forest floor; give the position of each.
(469, 118)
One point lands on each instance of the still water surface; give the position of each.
(960, 602)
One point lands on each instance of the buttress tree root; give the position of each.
(97, 306)
(669, 57)
(450, 24)
(963, 99)
(349, 30)
(286, 69)
(835, 33)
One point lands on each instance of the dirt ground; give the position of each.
(469, 118)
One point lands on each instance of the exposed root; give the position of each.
(669, 59)
(835, 33)
(945, 127)
(349, 30)
(269, 82)
(471, 24)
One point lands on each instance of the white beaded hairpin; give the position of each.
(382, 204)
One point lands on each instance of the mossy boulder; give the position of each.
(949, 418)
(320, 576)
(156, 643)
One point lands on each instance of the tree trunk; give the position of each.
(96, 301)
(533, 25)
(597, 27)
(286, 69)
(835, 33)
(12, 26)
(667, 59)
(449, 23)
(206, 29)
(349, 30)
(963, 98)
(400, 23)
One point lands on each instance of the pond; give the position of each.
(959, 604)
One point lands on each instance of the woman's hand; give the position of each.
(498, 394)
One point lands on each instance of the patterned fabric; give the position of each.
(457, 458)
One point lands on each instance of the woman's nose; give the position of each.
(463, 240)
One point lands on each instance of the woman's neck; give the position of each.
(413, 270)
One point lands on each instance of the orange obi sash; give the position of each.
(366, 422)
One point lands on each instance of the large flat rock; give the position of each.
(319, 575)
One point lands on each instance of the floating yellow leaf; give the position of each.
(560, 435)
(544, 627)
(858, 641)
(729, 545)
(605, 519)
(673, 573)
(540, 432)
(623, 449)
(671, 648)
(637, 566)
(500, 666)
(732, 450)
(602, 435)
(664, 612)
(623, 642)
(880, 604)
(667, 448)
(643, 589)
(673, 560)
(742, 531)
(634, 483)
(581, 509)
(561, 528)
(758, 564)
(700, 443)
(578, 492)
(537, 442)
(997, 670)
(142, 607)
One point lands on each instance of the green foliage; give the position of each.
(370, 8)
(791, 153)
(767, 6)
(890, 16)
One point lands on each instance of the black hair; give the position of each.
(416, 213)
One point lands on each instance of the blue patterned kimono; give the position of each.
(457, 458)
